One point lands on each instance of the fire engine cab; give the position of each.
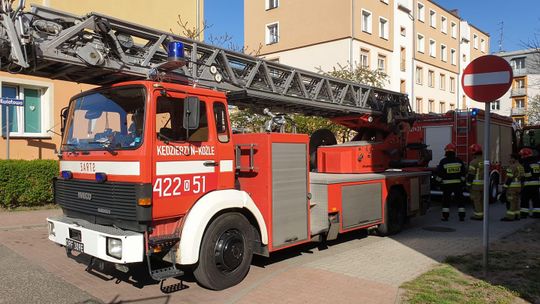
(150, 170)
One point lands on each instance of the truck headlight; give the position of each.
(114, 247)
(52, 232)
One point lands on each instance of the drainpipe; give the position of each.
(413, 37)
(198, 18)
(351, 67)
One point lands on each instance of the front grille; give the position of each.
(109, 200)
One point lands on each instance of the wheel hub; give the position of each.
(229, 250)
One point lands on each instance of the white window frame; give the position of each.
(419, 72)
(432, 48)
(384, 28)
(269, 6)
(444, 53)
(421, 43)
(431, 105)
(47, 106)
(367, 28)
(421, 12)
(442, 82)
(384, 1)
(366, 53)
(268, 36)
(432, 18)
(381, 58)
(453, 56)
(452, 84)
(442, 107)
(482, 45)
(453, 29)
(475, 41)
(444, 25)
(431, 78)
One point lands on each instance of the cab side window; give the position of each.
(169, 121)
(222, 127)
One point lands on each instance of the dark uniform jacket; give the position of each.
(531, 177)
(450, 171)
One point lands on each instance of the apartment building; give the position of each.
(525, 85)
(35, 128)
(422, 46)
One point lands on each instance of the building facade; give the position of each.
(525, 85)
(421, 46)
(35, 128)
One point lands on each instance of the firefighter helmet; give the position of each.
(450, 148)
(525, 152)
(476, 149)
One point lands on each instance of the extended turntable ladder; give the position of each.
(101, 50)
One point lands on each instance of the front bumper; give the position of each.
(94, 238)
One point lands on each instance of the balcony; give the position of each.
(405, 5)
(518, 92)
(517, 111)
(519, 71)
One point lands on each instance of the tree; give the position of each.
(533, 110)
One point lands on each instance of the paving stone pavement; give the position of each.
(354, 269)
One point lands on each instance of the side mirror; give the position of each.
(63, 119)
(192, 106)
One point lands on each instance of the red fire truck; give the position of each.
(150, 170)
(464, 128)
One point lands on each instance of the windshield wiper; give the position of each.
(105, 144)
(71, 148)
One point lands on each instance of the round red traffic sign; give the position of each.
(487, 78)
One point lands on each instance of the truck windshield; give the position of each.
(110, 119)
(531, 138)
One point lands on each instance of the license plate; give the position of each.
(74, 245)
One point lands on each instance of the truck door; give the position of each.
(186, 165)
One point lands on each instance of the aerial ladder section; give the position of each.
(101, 50)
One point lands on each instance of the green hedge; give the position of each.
(26, 182)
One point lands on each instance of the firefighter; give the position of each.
(531, 183)
(512, 188)
(451, 175)
(475, 182)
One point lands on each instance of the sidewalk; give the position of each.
(355, 269)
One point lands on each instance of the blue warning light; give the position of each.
(176, 51)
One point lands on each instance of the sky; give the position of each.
(521, 19)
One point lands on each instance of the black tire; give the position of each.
(226, 252)
(395, 215)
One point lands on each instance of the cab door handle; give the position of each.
(211, 163)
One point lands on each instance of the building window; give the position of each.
(32, 119)
(366, 21)
(272, 33)
(421, 12)
(381, 63)
(402, 85)
(432, 19)
(431, 79)
(453, 28)
(520, 83)
(420, 43)
(444, 56)
(364, 58)
(419, 105)
(453, 56)
(496, 105)
(518, 63)
(402, 59)
(431, 106)
(482, 45)
(452, 107)
(464, 58)
(432, 50)
(452, 85)
(419, 75)
(444, 25)
(383, 28)
(270, 4)
(442, 107)
(403, 31)
(520, 103)
(442, 82)
(475, 41)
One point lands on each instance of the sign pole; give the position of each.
(7, 132)
(486, 187)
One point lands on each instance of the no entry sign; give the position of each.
(487, 78)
